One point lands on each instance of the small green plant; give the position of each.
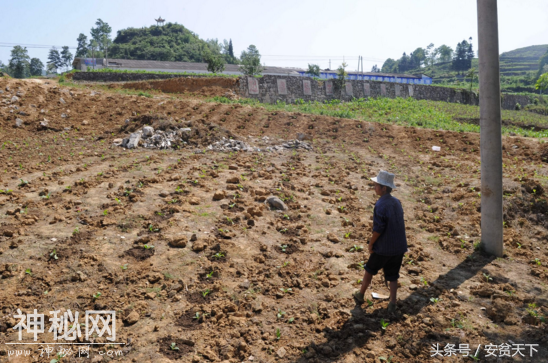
(384, 324)
(210, 275)
(285, 290)
(105, 212)
(283, 247)
(57, 358)
(124, 267)
(280, 314)
(96, 295)
(219, 255)
(173, 346)
(23, 183)
(286, 216)
(369, 302)
(28, 272)
(206, 292)
(537, 261)
(196, 316)
(148, 247)
(278, 334)
(487, 277)
(435, 300)
(388, 360)
(54, 254)
(76, 231)
(424, 282)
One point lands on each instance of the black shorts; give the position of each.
(390, 264)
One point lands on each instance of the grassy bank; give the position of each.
(411, 112)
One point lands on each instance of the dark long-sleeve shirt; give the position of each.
(388, 222)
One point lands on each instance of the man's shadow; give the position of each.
(357, 330)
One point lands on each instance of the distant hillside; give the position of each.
(170, 42)
(533, 52)
(518, 70)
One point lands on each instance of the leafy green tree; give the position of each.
(340, 81)
(375, 69)
(418, 57)
(431, 54)
(82, 48)
(445, 52)
(389, 66)
(19, 62)
(313, 70)
(36, 67)
(464, 53)
(404, 63)
(66, 57)
(542, 83)
(251, 61)
(101, 34)
(55, 61)
(215, 62)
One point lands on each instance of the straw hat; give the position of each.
(385, 178)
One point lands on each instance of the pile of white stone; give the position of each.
(228, 145)
(154, 139)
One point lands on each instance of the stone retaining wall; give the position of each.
(270, 89)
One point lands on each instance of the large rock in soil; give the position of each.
(275, 203)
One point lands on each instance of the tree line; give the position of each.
(21, 65)
(460, 58)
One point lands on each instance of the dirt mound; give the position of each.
(206, 86)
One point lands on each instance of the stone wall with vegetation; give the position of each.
(269, 92)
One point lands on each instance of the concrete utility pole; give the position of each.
(490, 128)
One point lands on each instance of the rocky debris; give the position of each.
(132, 141)
(276, 203)
(18, 122)
(292, 144)
(147, 131)
(227, 145)
(62, 100)
(14, 99)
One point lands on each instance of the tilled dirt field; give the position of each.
(182, 246)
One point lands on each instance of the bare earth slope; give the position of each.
(228, 279)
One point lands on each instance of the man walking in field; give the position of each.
(388, 243)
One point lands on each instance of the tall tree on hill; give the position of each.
(445, 52)
(431, 54)
(19, 62)
(82, 48)
(469, 53)
(389, 66)
(418, 57)
(36, 67)
(375, 69)
(461, 58)
(66, 57)
(101, 34)
(230, 49)
(251, 61)
(404, 63)
(54, 60)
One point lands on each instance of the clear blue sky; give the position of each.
(287, 33)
